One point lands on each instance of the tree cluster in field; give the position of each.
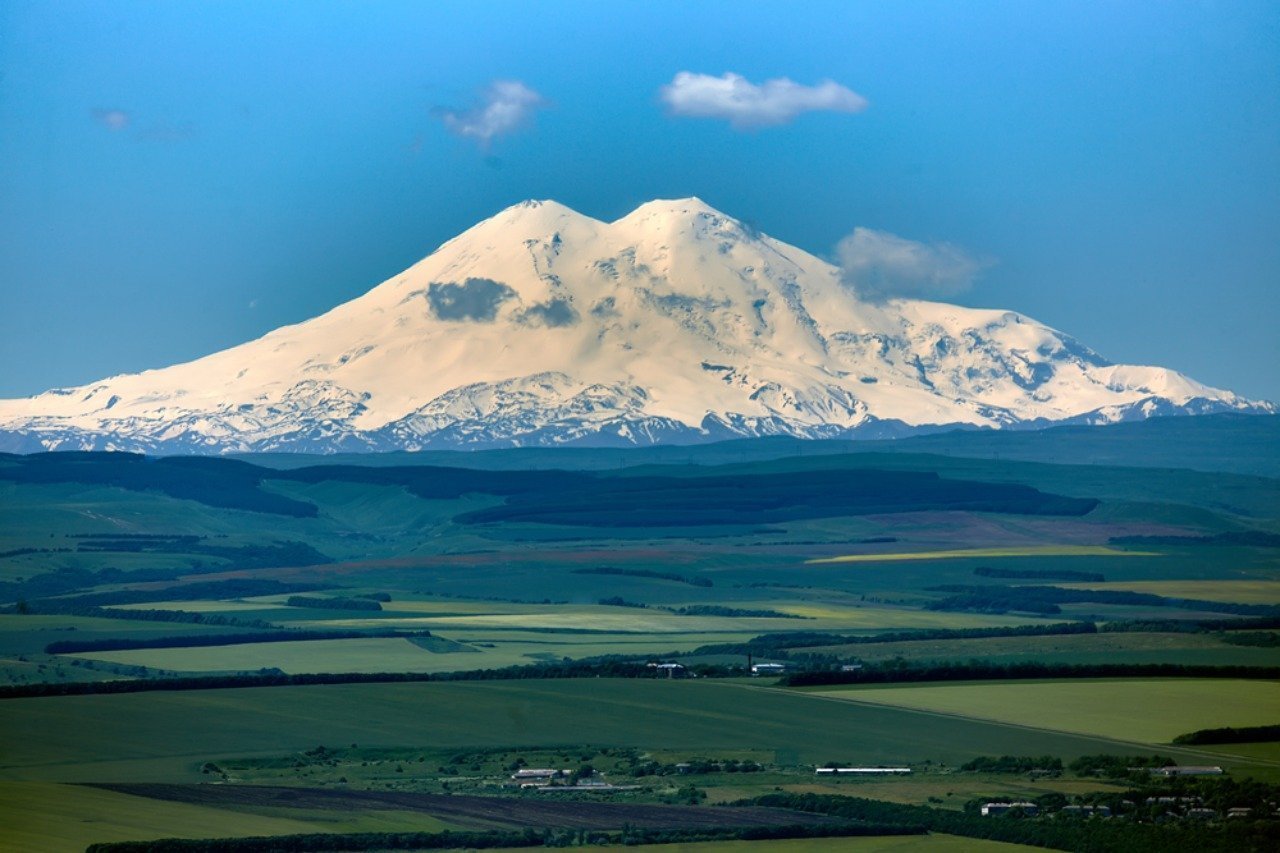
(693, 767)
(1039, 574)
(453, 840)
(704, 610)
(22, 552)
(332, 603)
(645, 573)
(1246, 538)
(777, 644)
(55, 607)
(1086, 836)
(1046, 600)
(1243, 734)
(1254, 639)
(1191, 626)
(210, 590)
(619, 601)
(735, 612)
(1014, 764)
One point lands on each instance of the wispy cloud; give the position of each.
(745, 105)
(112, 119)
(506, 106)
(880, 265)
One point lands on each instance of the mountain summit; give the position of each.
(541, 326)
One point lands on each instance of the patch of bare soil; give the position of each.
(542, 811)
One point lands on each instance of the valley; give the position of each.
(207, 623)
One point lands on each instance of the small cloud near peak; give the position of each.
(879, 265)
(112, 119)
(505, 106)
(746, 105)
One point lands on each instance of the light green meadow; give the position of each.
(1151, 711)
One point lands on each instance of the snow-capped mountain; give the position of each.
(542, 326)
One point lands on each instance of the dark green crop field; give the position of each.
(169, 735)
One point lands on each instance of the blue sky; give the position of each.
(180, 177)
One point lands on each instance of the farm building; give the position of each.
(768, 668)
(669, 670)
(866, 771)
(536, 773)
(994, 809)
(1187, 771)
(1086, 811)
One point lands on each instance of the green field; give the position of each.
(59, 817)
(391, 654)
(167, 735)
(1254, 591)
(505, 569)
(1100, 648)
(1150, 711)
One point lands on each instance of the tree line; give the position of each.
(629, 836)
(1086, 836)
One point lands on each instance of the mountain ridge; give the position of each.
(676, 323)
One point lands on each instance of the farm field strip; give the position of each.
(396, 654)
(165, 736)
(475, 812)
(638, 621)
(203, 605)
(389, 654)
(985, 553)
(1234, 591)
(1103, 647)
(56, 817)
(1152, 711)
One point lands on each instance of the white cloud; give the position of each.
(880, 265)
(112, 120)
(507, 106)
(744, 104)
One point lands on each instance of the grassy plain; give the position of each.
(1107, 647)
(1252, 591)
(61, 817)
(1150, 711)
(166, 736)
(386, 654)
